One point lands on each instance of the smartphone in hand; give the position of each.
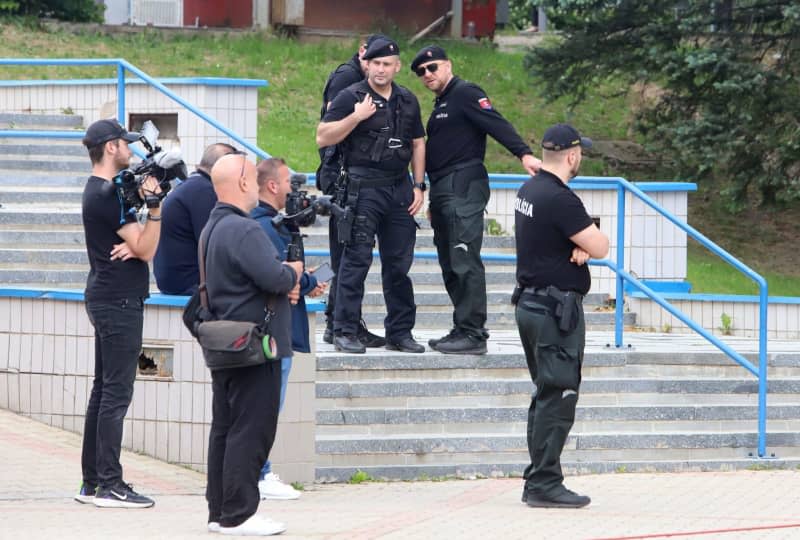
(324, 273)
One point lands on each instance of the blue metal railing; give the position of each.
(621, 185)
(122, 66)
(498, 181)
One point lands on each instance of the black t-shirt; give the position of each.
(358, 144)
(102, 217)
(461, 118)
(546, 214)
(184, 213)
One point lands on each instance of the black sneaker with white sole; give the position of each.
(86, 493)
(121, 496)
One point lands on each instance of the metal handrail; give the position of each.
(122, 65)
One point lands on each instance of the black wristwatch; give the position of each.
(421, 186)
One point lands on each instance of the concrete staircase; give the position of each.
(400, 416)
(41, 181)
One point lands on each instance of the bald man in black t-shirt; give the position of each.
(555, 237)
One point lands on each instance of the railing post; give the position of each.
(762, 369)
(620, 300)
(121, 95)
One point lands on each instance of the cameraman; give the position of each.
(244, 276)
(185, 214)
(118, 247)
(273, 187)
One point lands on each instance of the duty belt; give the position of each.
(372, 178)
(548, 291)
(438, 174)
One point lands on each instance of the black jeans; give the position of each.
(244, 419)
(457, 203)
(381, 212)
(117, 344)
(554, 362)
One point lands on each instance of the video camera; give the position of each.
(302, 210)
(164, 165)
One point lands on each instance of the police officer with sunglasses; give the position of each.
(462, 116)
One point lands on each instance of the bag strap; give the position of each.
(202, 248)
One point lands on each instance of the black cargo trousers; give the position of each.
(554, 362)
(381, 212)
(457, 204)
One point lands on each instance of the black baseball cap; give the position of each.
(106, 130)
(564, 136)
(380, 47)
(428, 54)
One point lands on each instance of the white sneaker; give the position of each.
(255, 526)
(271, 487)
(213, 526)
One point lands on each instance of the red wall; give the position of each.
(367, 15)
(222, 13)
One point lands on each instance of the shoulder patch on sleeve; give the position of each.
(485, 103)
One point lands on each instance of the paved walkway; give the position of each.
(40, 471)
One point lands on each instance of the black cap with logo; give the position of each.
(564, 136)
(106, 130)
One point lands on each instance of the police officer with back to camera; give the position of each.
(351, 72)
(185, 212)
(555, 237)
(118, 247)
(380, 130)
(462, 116)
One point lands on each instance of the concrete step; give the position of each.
(62, 164)
(499, 298)
(494, 319)
(44, 256)
(52, 215)
(46, 238)
(428, 448)
(41, 178)
(503, 468)
(627, 385)
(52, 121)
(44, 152)
(38, 195)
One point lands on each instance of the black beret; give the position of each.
(427, 54)
(381, 47)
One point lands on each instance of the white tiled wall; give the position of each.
(783, 320)
(47, 365)
(236, 107)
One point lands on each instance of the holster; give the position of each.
(566, 309)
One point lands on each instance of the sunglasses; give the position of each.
(432, 68)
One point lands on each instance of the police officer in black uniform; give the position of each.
(555, 238)
(462, 116)
(380, 130)
(351, 72)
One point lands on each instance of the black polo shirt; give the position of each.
(102, 217)
(546, 214)
(184, 213)
(356, 146)
(461, 118)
